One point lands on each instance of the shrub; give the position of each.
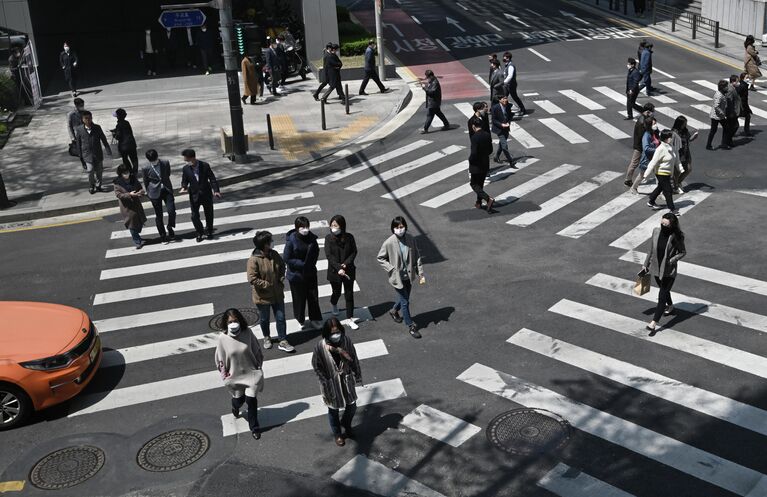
(354, 47)
(8, 92)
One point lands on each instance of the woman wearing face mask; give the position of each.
(664, 251)
(337, 367)
(650, 141)
(681, 143)
(239, 360)
(300, 255)
(400, 258)
(129, 191)
(341, 250)
(664, 162)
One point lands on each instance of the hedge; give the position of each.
(8, 93)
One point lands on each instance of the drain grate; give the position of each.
(250, 314)
(67, 467)
(528, 431)
(173, 450)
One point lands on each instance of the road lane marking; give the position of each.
(549, 106)
(686, 91)
(440, 425)
(604, 126)
(669, 76)
(375, 478)
(369, 163)
(426, 181)
(535, 183)
(612, 94)
(557, 127)
(250, 202)
(152, 318)
(581, 99)
(493, 26)
(482, 80)
(605, 212)
(568, 482)
(673, 114)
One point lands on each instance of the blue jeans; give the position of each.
(345, 421)
(403, 304)
(136, 235)
(279, 317)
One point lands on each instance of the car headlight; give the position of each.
(49, 363)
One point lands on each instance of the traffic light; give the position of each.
(239, 34)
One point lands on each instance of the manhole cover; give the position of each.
(528, 431)
(250, 314)
(723, 173)
(173, 450)
(66, 467)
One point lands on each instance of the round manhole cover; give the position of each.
(528, 431)
(66, 467)
(250, 314)
(723, 173)
(173, 450)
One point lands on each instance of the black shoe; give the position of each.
(424, 131)
(349, 433)
(386, 90)
(497, 159)
(140, 245)
(256, 434)
(446, 127)
(395, 316)
(709, 147)
(628, 183)
(91, 190)
(171, 233)
(199, 238)
(236, 412)
(363, 93)
(100, 189)
(413, 330)
(628, 118)
(209, 236)
(244, 98)
(316, 97)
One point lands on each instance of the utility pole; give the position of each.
(380, 39)
(232, 81)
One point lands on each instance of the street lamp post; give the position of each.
(380, 40)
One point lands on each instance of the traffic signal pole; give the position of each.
(232, 81)
(380, 39)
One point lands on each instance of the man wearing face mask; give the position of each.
(74, 120)
(632, 87)
(68, 62)
(480, 118)
(159, 189)
(198, 179)
(149, 48)
(300, 255)
(205, 42)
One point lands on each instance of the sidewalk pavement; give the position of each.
(729, 52)
(171, 114)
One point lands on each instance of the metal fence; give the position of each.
(696, 22)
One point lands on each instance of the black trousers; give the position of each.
(348, 287)
(631, 101)
(477, 183)
(664, 296)
(206, 58)
(337, 87)
(207, 206)
(374, 76)
(747, 124)
(511, 91)
(430, 113)
(252, 415)
(664, 186)
(730, 128)
(130, 159)
(150, 61)
(306, 293)
(715, 123)
(322, 86)
(170, 205)
(70, 76)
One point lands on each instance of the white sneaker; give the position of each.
(679, 190)
(317, 324)
(335, 310)
(351, 324)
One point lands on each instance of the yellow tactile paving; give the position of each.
(11, 486)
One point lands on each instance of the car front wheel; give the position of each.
(15, 406)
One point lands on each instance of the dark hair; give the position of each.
(397, 221)
(495, 63)
(648, 124)
(338, 218)
(86, 113)
(428, 73)
(506, 55)
(330, 325)
(733, 78)
(188, 153)
(648, 106)
(743, 76)
(120, 113)
(632, 61)
(232, 312)
(280, 38)
(674, 222)
(122, 169)
(722, 85)
(665, 135)
(749, 41)
(478, 106)
(262, 239)
(679, 123)
(79, 101)
(301, 222)
(643, 43)
(492, 56)
(151, 155)
(371, 42)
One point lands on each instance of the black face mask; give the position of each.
(666, 229)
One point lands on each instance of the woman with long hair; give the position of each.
(752, 61)
(666, 248)
(681, 143)
(341, 250)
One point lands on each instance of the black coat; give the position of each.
(123, 133)
(481, 148)
(300, 256)
(340, 250)
(639, 132)
(89, 144)
(273, 61)
(370, 59)
(68, 61)
(324, 71)
(483, 122)
(202, 189)
(632, 80)
(333, 69)
(433, 93)
(498, 118)
(742, 90)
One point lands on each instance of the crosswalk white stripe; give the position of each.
(196, 261)
(465, 108)
(367, 164)
(758, 112)
(694, 305)
(249, 202)
(537, 182)
(604, 126)
(662, 99)
(192, 286)
(709, 85)
(756, 193)
(539, 54)
(242, 218)
(660, 124)
(612, 94)
(191, 242)
(523, 137)
(709, 403)
(667, 337)
(639, 234)
(581, 99)
(393, 173)
(426, 181)
(664, 449)
(158, 350)
(669, 76)
(312, 407)
(708, 274)
(482, 80)
(563, 199)
(686, 91)
(151, 318)
(673, 114)
(600, 215)
(375, 478)
(549, 106)
(465, 189)
(706, 109)
(182, 385)
(557, 127)
(561, 482)
(439, 425)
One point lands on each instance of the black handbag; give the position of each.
(73, 149)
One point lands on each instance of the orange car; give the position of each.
(48, 354)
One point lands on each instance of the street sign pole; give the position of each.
(380, 39)
(232, 81)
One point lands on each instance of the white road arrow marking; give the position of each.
(516, 19)
(455, 23)
(570, 14)
(395, 28)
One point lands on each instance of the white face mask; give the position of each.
(154, 163)
(655, 127)
(335, 231)
(126, 176)
(303, 231)
(66, 48)
(203, 30)
(399, 231)
(234, 328)
(147, 31)
(335, 338)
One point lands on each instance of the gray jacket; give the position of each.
(390, 259)
(89, 144)
(675, 250)
(337, 382)
(156, 179)
(73, 121)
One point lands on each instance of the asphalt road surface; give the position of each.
(527, 307)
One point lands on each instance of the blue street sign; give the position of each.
(182, 18)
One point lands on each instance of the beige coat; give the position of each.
(752, 62)
(249, 78)
(390, 259)
(266, 276)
